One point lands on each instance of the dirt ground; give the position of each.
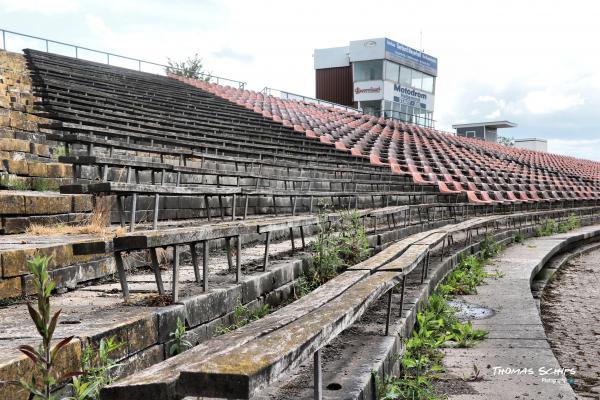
(570, 310)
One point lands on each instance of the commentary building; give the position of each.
(380, 76)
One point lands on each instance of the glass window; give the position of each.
(427, 83)
(371, 107)
(405, 76)
(392, 70)
(403, 112)
(368, 70)
(416, 80)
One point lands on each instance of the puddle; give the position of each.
(467, 311)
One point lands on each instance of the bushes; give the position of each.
(337, 247)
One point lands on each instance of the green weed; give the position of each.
(243, 316)
(96, 366)
(180, 344)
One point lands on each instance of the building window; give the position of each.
(405, 76)
(392, 71)
(428, 83)
(368, 70)
(470, 134)
(417, 79)
(372, 107)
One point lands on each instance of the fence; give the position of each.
(293, 96)
(15, 41)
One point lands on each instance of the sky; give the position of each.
(536, 63)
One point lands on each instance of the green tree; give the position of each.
(507, 141)
(190, 68)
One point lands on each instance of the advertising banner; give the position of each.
(409, 96)
(408, 56)
(368, 90)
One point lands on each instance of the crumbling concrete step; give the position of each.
(96, 312)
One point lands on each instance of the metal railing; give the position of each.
(293, 96)
(409, 118)
(106, 57)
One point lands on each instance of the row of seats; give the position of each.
(487, 172)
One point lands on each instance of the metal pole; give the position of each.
(108, 58)
(140, 65)
(76, 52)
(47, 46)
(389, 312)
(402, 296)
(3, 39)
(318, 378)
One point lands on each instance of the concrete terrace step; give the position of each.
(516, 333)
(65, 267)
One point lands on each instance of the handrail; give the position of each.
(410, 118)
(208, 77)
(268, 91)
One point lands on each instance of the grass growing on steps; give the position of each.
(550, 226)
(97, 222)
(242, 315)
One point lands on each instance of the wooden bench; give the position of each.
(192, 236)
(235, 365)
(122, 190)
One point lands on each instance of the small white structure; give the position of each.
(532, 144)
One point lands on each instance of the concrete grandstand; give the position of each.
(210, 197)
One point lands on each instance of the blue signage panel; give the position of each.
(407, 55)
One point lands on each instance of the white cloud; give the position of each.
(493, 115)
(551, 100)
(580, 148)
(97, 25)
(45, 7)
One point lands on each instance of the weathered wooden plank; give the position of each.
(379, 212)
(173, 236)
(411, 257)
(239, 373)
(114, 161)
(159, 380)
(391, 252)
(128, 188)
(433, 239)
(289, 222)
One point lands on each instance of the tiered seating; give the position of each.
(489, 173)
(152, 139)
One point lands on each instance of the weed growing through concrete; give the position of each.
(43, 378)
(550, 226)
(518, 238)
(242, 315)
(437, 326)
(470, 272)
(15, 184)
(44, 185)
(180, 344)
(96, 365)
(337, 247)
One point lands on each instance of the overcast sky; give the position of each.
(536, 63)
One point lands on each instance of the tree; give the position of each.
(507, 141)
(190, 68)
